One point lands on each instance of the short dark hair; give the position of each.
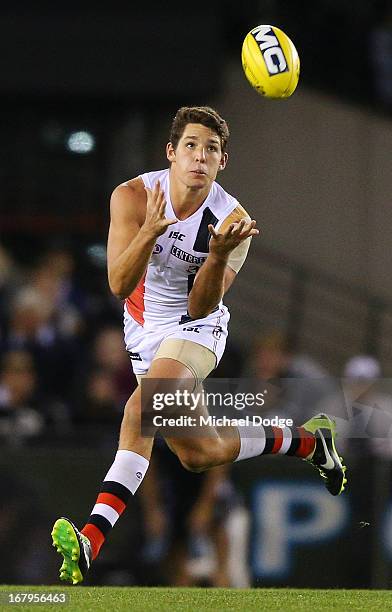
(205, 115)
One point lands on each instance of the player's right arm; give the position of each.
(137, 218)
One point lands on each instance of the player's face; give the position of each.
(198, 156)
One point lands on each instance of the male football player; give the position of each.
(176, 242)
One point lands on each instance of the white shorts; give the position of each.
(142, 342)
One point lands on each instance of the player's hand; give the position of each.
(156, 223)
(221, 244)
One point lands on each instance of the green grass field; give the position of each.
(184, 600)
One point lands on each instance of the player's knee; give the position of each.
(131, 408)
(131, 416)
(194, 461)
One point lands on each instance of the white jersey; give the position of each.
(161, 297)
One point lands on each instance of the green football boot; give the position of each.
(74, 547)
(325, 457)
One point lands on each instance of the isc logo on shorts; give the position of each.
(195, 328)
(271, 50)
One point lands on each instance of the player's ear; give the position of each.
(223, 161)
(170, 152)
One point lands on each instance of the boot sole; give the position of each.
(67, 544)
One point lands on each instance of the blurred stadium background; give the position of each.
(87, 95)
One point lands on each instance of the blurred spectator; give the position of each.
(99, 398)
(275, 356)
(185, 515)
(31, 327)
(299, 381)
(10, 280)
(19, 420)
(53, 278)
(106, 379)
(110, 354)
(362, 368)
(362, 407)
(25, 411)
(232, 363)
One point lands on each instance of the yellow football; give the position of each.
(270, 62)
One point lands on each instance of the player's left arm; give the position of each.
(227, 252)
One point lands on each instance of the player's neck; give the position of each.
(186, 200)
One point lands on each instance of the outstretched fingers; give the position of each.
(240, 231)
(156, 209)
(161, 204)
(237, 228)
(212, 231)
(161, 209)
(156, 201)
(247, 229)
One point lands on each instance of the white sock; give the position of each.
(253, 441)
(122, 480)
(251, 445)
(128, 469)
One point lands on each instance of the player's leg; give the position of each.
(80, 548)
(314, 441)
(208, 447)
(215, 447)
(131, 462)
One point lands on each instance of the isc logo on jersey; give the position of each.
(270, 62)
